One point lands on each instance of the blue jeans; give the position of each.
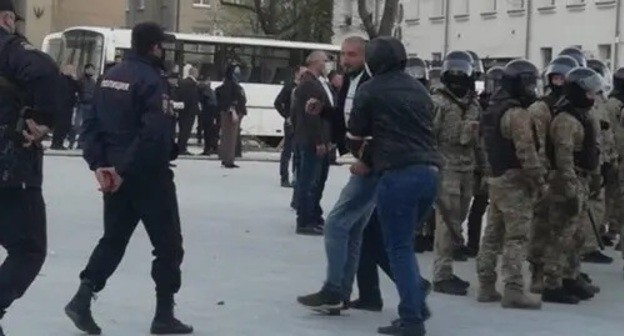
(343, 232)
(311, 177)
(404, 197)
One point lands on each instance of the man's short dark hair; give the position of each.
(145, 36)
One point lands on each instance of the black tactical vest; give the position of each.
(501, 152)
(588, 158)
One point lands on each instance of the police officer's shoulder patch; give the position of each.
(27, 46)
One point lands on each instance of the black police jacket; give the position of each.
(33, 73)
(395, 110)
(132, 125)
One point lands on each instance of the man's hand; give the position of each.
(35, 133)
(313, 106)
(474, 127)
(360, 169)
(108, 178)
(321, 150)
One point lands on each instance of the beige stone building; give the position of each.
(195, 16)
(46, 16)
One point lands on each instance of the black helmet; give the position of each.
(575, 53)
(579, 82)
(618, 80)
(479, 69)
(493, 79)
(520, 80)
(458, 63)
(561, 65)
(417, 68)
(603, 70)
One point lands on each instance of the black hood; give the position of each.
(385, 54)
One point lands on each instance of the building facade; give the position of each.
(195, 16)
(46, 16)
(499, 30)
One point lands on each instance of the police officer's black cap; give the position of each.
(7, 6)
(147, 34)
(458, 62)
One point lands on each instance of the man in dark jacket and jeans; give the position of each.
(312, 111)
(395, 111)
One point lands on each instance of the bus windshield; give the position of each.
(82, 47)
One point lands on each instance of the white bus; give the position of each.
(267, 64)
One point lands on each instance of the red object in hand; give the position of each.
(109, 180)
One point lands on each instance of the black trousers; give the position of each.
(185, 124)
(211, 131)
(287, 152)
(475, 218)
(62, 127)
(154, 202)
(23, 235)
(373, 254)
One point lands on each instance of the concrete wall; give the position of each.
(501, 29)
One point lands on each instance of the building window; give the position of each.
(412, 11)
(489, 6)
(547, 53)
(516, 4)
(548, 3)
(141, 4)
(576, 2)
(462, 8)
(439, 9)
(604, 53)
(202, 3)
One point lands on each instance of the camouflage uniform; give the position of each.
(539, 236)
(512, 197)
(614, 188)
(455, 128)
(569, 196)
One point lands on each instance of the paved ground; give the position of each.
(241, 250)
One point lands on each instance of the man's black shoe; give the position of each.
(323, 301)
(578, 289)
(310, 231)
(373, 306)
(459, 280)
(451, 287)
(230, 166)
(79, 310)
(559, 295)
(171, 326)
(596, 257)
(286, 184)
(398, 329)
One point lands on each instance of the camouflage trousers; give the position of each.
(539, 236)
(562, 259)
(614, 215)
(597, 205)
(455, 194)
(509, 220)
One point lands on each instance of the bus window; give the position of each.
(83, 47)
(201, 56)
(54, 48)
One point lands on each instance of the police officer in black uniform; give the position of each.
(133, 169)
(27, 112)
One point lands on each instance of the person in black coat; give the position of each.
(68, 89)
(232, 108)
(210, 118)
(189, 95)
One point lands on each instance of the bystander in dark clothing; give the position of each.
(67, 95)
(232, 104)
(189, 95)
(210, 118)
(282, 105)
(87, 85)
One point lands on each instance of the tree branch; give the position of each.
(388, 18)
(367, 19)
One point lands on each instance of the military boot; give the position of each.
(517, 299)
(79, 309)
(559, 295)
(488, 293)
(587, 281)
(578, 289)
(165, 322)
(537, 278)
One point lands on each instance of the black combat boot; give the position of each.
(452, 286)
(578, 288)
(559, 295)
(596, 257)
(165, 322)
(79, 309)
